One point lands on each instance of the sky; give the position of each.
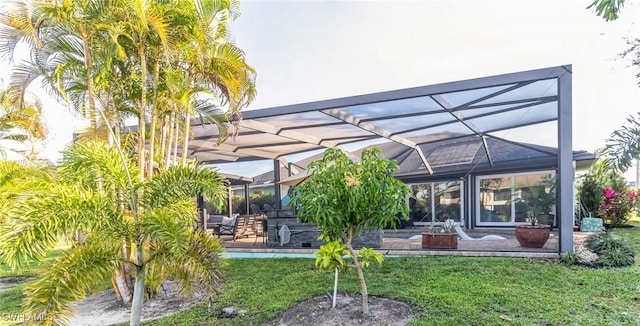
(315, 50)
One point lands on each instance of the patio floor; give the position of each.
(396, 242)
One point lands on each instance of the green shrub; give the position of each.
(612, 252)
(571, 258)
(601, 242)
(616, 257)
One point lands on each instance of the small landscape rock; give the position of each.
(228, 312)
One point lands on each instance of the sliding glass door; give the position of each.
(436, 201)
(501, 197)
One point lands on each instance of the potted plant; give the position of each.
(539, 202)
(443, 237)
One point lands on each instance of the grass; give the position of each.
(443, 290)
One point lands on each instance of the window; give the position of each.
(439, 200)
(502, 197)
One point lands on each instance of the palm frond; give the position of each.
(66, 279)
(203, 263)
(171, 225)
(183, 182)
(89, 162)
(36, 219)
(623, 147)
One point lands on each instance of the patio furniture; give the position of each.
(260, 229)
(231, 226)
(464, 236)
(255, 209)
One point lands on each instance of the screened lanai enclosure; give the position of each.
(468, 149)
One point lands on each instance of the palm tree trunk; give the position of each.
(163, 141)
(154, 121)
(138, 290)
(143, 107)
(170, 127)
(175, 139)
(187, 133)
(121, 287)
(358, 266)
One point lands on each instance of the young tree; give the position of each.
(345, 198)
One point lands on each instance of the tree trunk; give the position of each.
(171, 126)
(122, 287)
(175, 139)
(162, 142)
(154, 121)
(358, 266)
(138, 290)
(187, 133)
(114, 285)
(152, 140)
(142, 114)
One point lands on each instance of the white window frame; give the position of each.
(503, 175)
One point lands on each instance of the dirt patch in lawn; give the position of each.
(8, 283)
(102, 308)
(348, 312)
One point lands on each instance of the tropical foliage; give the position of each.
(623, 146)
(346, 198)
(163, 62)
(608, 9)
(604, 192)
(617, 205)
(21, 126)
(124, 224)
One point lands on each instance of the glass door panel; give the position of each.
(447, 201)
(495, 200)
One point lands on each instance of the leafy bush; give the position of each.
(571, 258)
(617, 206)
(616, 257)
(612, 252)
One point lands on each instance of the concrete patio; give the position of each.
(396, 242)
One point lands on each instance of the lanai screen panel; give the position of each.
(429, 128)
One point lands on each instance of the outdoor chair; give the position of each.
(260, 230)
(267, 207)
(255, 209)
(251, 223)
(232, 226)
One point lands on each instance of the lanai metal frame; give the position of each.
(422, 121)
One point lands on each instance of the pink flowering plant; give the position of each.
(617, 205)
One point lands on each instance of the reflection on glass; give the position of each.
(440, 200)
(522, 190)
(502, 198)
(420, 207)
(495, 196)
(447, 201)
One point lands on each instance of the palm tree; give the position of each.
(623, 147)
(20, 126)
(608, 9)
(157, 216)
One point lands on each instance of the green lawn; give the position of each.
(443, 290)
